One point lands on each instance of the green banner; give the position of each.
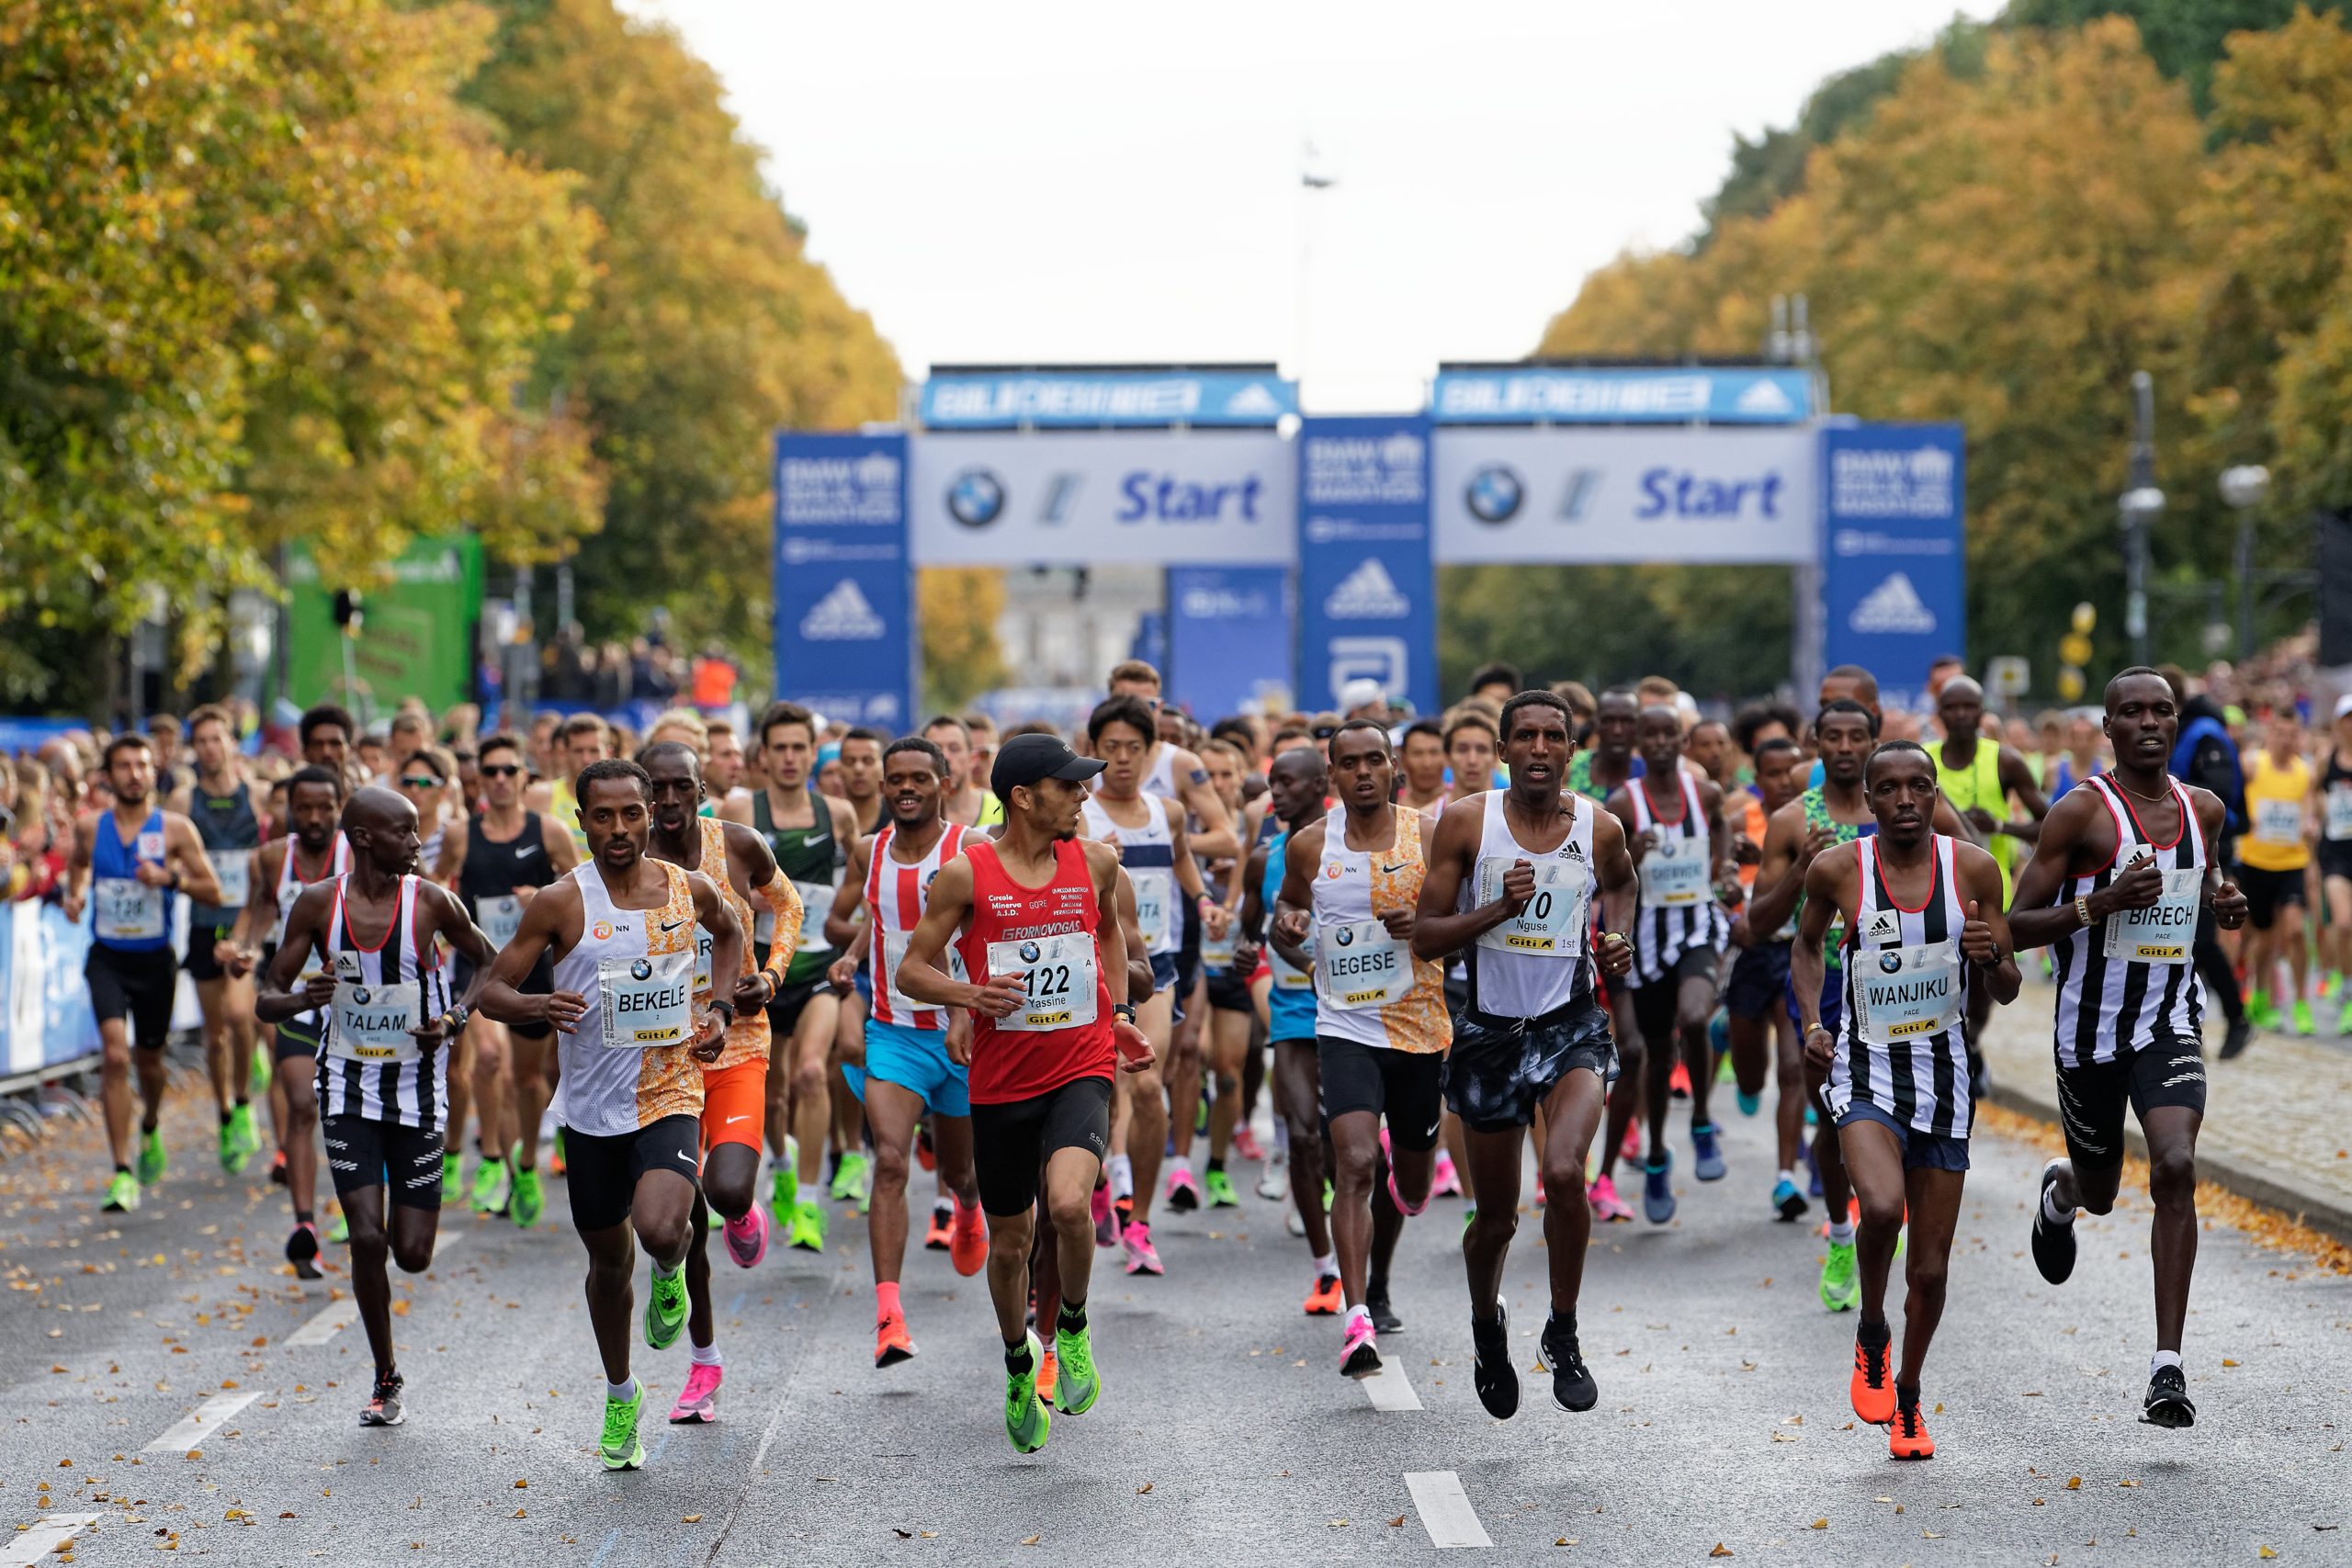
(416, 637)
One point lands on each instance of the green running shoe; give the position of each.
(665, 1309)
(1841, 1285)
(2303, 1023)
(151, 1158)
(122, 1193)
(232, 1158)
(1077, 1384)
(1201, 1115)
(530, 1199)
(258, 1078)
(1219, 1188)
(453, 1177)
(806, 1228)
(341, 1230)
(2344, 1019)
(1469, 1217)
(241, 1121)
(2259, 1012)
(492, 1186)
(784, 1196)
(853, 1181)
(1026, 1420)
(619, 1447)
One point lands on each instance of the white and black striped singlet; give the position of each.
(407, 1092)
(2128, 982)
(1678, 910)
(1905, 976)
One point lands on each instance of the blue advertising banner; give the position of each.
(844, 594)
(1096, 400)
(1367, 593)
(1894, 587)
(1536, 394)
(45, 1016)
(1228, 638)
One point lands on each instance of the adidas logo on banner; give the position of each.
(1367, 593)
(1252, 401)
(1893, 606)
(841, 616)
(1765, 398)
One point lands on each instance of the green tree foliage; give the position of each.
(2185, 38)
(1715, 631)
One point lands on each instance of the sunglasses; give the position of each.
(500, 771)
(421, 784)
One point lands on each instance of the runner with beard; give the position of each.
(1512, 881)
(128, 865)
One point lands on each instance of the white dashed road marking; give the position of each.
(1445, 1508)
(331, 1319)
(27, 1547)
(1390, 1388)
(202, 1422)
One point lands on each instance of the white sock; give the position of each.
(2162, 1359)
(707, 1355)
(1790, 1177)
(1282, 1139)
(1326, 1266)
(1842, 1234)
(1355, 1312)
(621, 1391)
(943, 1205)
(2052, 1212)
(1181, 1163)
(1123, 1176)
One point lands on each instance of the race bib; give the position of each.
(2339, 814)
(123, 909)
(1676, 875)
(2163, 933)
(702, 941)
(1058, 981)
(1361, 966)
(647, 1001)
(235, 869)
(1907, 993)
(1152, 890)
(1553, 924)
(1286, 976)
(2279, 822)
(371, 1023)
(894, 952)
(1216, 952)
(816, 903)
(499, 917)
(287, 891)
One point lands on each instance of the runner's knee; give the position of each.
(2172, 1175)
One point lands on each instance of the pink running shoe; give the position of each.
(1446, 1182)
(1388, 1158)
(1142, 1256)
(747, 1238)
(1183, 1191)
(1606, 1205)
(1629, 1148)
(698, 1401)
(1359, 1349)
(1245, 1145)
(1106, 1218)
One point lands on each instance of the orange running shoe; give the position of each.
(1324, 1300)
(1873, 1386)
(1049, 1371)
(1678, 1082)
(968, 1242)
(926, 1156)
(1907, 1437)
(891, 1342)
(936, 1237)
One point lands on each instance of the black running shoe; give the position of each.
(2168, 1403)
(2234, 1043)
(1572, 1382)
(1384, 1316)
(302, 1250)
(1496, 1378)
(383, 1407)
(2054, 1244)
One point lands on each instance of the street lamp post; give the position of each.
(2243, 490)
(2139, 506)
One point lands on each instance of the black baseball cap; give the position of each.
(1025, 759)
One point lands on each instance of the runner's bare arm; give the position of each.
(1131, 932)
(1253, 904)
(1110, 923)
(446, 918)
(184, 851)
(277, 1000)
(1216, 839)
(1441, 930)
(922, 974)
(240, 952)
(1613, 868)
(2228, 900)
(2018, 779)
(1294, 900)
(452, 858)
(728, 941)
(1825, 898)
(554, 916)
(1779, 875)
(2068, 839)
(78, 868)
(1984, 939)
(840, 920)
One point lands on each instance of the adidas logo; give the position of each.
(1253, 401)
(842, 615)
(1893, 606)
(1765, 398)
(1367, 593)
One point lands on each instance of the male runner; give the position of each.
(1422, 763)
(1037, 914)
(2274, 861)
(1756, 996)
(734, 1088)
(966, 803)
(1979, 776)
(312, 851)
(907, 1073)
(382, 1075)
(1679, 939)
(327, 733)
(1381, 1029)
(221, 803)
(1471, 745)
(723, 762)
(810, 834)
(862, 777)
(128, 864)
(1156, 851)
(1923, 927)
(1609, 764)
(2119, 882)
(498, 860)
(1512, 880)
(1296, 783)
(632, 1046)
(1229, 1015)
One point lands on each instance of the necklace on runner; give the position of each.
(2151, 799)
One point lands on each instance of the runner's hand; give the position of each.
(73, 903)
(1215, 919)
(1134, 1046)
(1815, 840)
(1400, 923)
(430, 1034)
(564, 1010)
(842, 974)
(1745, 851)
(1982, 820)
(1293, 925)
(1000, 996)
(152, 874)
(1976, 939)
(1518, 888)
(1820, 1048)
(235, 961)
(2139, 886)
(318, 991)
(959, 1040)
(1616, 955)
(711, 1036)
(752, 991)
(2229, 906)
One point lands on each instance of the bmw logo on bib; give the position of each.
(1890, 962)
(1345, 937)
(1029, 951)
(641, 970)
(361, 997)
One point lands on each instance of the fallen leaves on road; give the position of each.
(2074, 1484)
(1821, 1524)
(1144, 1489)
(1720, 1551)
(1398, 1523)
(691, 1519)
(1031, 1540)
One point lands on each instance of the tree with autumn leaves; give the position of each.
(2001, 239)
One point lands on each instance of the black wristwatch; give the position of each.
(722, 1005)
(1125, 1009)
(453, 1022)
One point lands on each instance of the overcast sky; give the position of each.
(1032, 182)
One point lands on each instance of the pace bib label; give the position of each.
(235, 869)
(1906, 993)
(1676, 875)
(123, 909)
(499, 917)
(371, 1023)
(2163, 932)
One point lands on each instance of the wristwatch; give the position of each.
(722, 1005)
(454, 1021)
(1125, 1009)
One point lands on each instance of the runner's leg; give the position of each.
(1934, 1205)
(1296, 1076)
(1573, 1111)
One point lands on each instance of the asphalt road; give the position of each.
(1224, 1434)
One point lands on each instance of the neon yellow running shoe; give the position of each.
(1079, 1384)
(529, 1199)
(806, 1229)
(153, 1161)
(122, 1193)
(1841, 1284)
(1027, 1421)
(620, 1448)
(665, 1308)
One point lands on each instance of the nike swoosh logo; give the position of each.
(672, 925)
(522, 850)
(1393, 870)
(689, 1158)
(732, 1120)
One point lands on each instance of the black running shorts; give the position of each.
(1405, 1086)
(1012, 1139)
(134, 985)
(1656, 1001)
(404, 1161)
(602, 1171)
(1758, 986)
(1500, 1070)
(2091, 1098)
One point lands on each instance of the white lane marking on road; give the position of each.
(29, 1547)
(330, 1320)
(1390, 1388)
(1445, 1508)
(204, 1420)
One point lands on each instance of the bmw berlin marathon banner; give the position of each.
(845, 601)
(1235, 397)
(1227, 646)
(1894, 585)
(1367, 592)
